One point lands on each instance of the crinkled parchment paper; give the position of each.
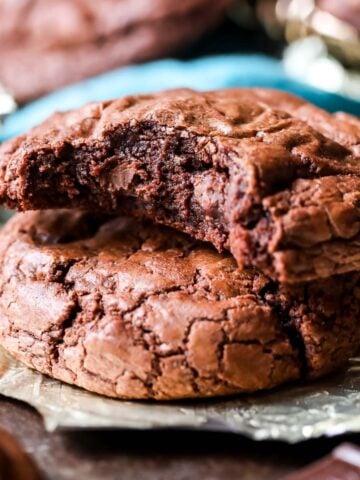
(293, 413)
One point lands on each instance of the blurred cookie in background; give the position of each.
(44, 47)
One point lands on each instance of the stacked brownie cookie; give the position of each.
(186, 244)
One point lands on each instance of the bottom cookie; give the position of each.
(136, 311)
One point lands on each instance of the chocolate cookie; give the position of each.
(44, 48)
(225, 167)
(133, 310)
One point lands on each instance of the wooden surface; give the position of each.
(154, 455)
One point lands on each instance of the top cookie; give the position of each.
(44, 48)
(281, 191)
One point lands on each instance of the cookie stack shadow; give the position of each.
(183, 244)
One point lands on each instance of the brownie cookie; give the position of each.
(133, 310)
(42, 48)
(225, 167)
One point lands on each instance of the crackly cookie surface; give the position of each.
(42, 48)
(243, 169)
(132, 310)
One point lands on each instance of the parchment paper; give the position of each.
(293, 413)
